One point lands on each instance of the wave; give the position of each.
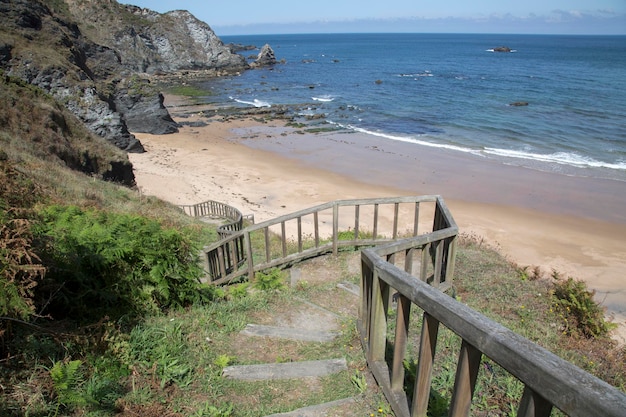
(413, 140)
(255, 102)
(324, 98)
(426, 73)
(563, 158)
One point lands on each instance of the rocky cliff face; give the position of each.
(90, 56)
(151, 42)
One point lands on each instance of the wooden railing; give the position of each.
(217, 210)
(548, 380)
(323, 229)
(233, 248)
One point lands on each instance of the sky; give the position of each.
(245, 17)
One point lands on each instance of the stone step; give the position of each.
(289, 370)
(316, 410)
(350, 287)
(290, 333)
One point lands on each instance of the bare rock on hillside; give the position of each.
(152, 42)
(94, 56)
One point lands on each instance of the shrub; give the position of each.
(580, 312)
(270, 280)
(108, 263)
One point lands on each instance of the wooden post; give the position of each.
(395, 220)
(465, 381)
(299, 221)
(408, 260)
(248, 244)
(533, 405)
(356, 221)
(317, 229)
(400, 343)
(375, 220)
(268, 255)
(283, 238)
(424, 372)
(378, 320)
(416, 219)
(425, 261)
(335, 229)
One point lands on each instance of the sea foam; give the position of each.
(255, 102)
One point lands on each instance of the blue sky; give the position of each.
(236, 17)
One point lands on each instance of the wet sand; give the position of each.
(574, 225)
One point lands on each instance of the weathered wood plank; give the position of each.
(425, 361)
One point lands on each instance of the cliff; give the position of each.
(92, 56)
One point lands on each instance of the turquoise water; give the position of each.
(452, 91)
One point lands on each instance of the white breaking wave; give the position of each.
(413, 140)
(324, 98)
(426, 73)
(563, 158)
(255, 102)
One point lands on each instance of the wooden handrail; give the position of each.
(549, 381)
(366, 229)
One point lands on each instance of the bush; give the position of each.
(115, 264)
(269, 280)
(580, 312)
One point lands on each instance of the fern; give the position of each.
(65, 380)
(110, 263)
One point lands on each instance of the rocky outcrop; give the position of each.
(502, 49)
(152, 42)
(266, 57)
(35, 123)
(94, 56)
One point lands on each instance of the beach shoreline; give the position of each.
(555, 222)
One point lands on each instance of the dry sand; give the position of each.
(573, 225)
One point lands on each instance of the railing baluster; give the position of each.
(364, 314)
(408, 260)
(438, 264)
(465, 380)
(375, 221)
(283, 238)
(266, 232)
(533, 405)
(299, 233)
(378, 320)
(424, 371)
(248, 244)
(317, 229)
(425, 260)
(356, 221)
(335, 229)
(396, 208)
(400, 343)
(416, 219)
(222, 261)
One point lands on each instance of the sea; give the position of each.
(553, 103)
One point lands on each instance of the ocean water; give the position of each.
(453, 91)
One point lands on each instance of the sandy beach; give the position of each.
(574, 225)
